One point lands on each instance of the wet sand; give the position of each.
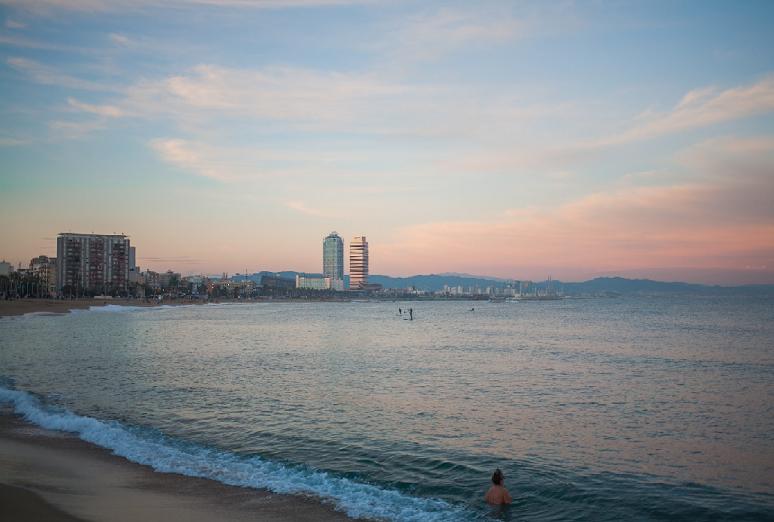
(48, 475)
(56, 306)
(53, 306)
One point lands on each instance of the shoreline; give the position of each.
(24, 306)
(54, 475)
(52, 306)
(17, 307)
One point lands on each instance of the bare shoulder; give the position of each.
(497, 495)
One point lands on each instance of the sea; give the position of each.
(628, 408)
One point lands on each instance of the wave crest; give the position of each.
(356, 499)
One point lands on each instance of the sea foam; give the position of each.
(118, 308)
(356, 499)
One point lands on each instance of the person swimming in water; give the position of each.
(497, 494)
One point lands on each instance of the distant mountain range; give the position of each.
(623, 286)
(597, 286)
(600, 285)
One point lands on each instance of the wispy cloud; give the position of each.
(14, 24)
(13, 142)
(108, 111)
(275, 93)
(697, 109)
(46, 6)
(225, 164)
(228, 163)
(701, 108)
(120, 39)
(72, 129)
(183, 154)
(172, 260)
(310, 100)
(24, 42)
(301, 207)
(431, 35)
(47, 75)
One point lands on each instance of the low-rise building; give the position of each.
(313, 282)
(151, 280)
(5, 268)
(44, 268)
(276, 285)
(169, 280)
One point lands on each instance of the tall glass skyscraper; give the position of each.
(333, 257)
(358, 262)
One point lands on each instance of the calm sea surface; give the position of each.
(601, 409)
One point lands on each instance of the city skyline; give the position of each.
(163, 266)
(506, 140)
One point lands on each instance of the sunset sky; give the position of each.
(512, 139)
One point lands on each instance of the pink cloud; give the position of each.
(721, 220)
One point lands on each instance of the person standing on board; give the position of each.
(497, 494)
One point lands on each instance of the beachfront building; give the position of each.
(277, 286)
(169, 280)
(358, 263)
(44, 268)
(5, 268)
(313, 282)
(92, 263)
(151, 280)
(333, 259)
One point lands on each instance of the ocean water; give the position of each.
(640, 408)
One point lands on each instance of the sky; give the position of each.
(509, 139)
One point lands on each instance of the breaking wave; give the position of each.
(167, 455)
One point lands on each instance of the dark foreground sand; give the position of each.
(53, 306)
(63, 306)
(46, 475)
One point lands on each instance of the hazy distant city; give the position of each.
(94, 265)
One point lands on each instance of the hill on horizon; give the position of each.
(599, 285)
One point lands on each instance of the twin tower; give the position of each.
(333, 260)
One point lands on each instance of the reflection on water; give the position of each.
(609, 408)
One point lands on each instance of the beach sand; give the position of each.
(53, 306)
(56, 306)
(48, 475)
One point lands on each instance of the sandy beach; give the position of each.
(47, 475)
(57, 306)
(53, 306)
(63, 306)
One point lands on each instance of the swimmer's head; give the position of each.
(497, 477)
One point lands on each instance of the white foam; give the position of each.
(357, 499)
(119, 308)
